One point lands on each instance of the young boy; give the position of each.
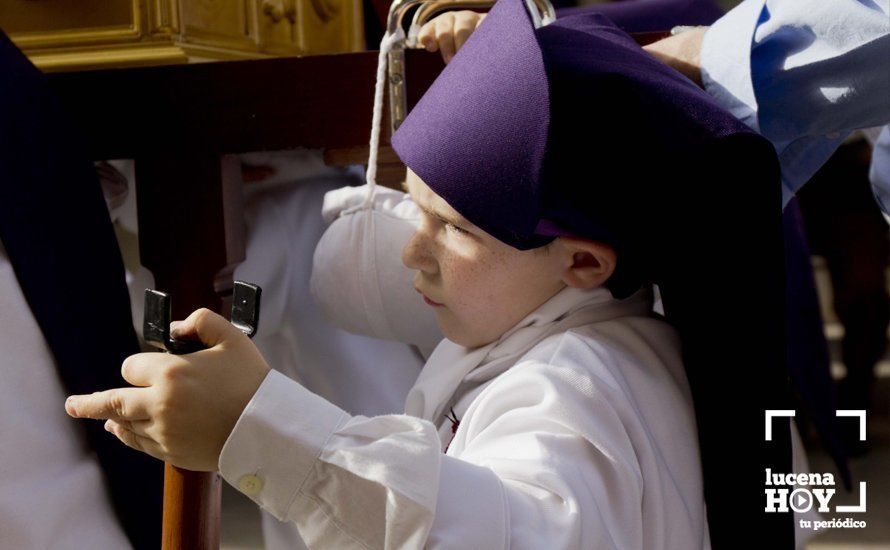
(556, 414)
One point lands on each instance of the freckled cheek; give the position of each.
(472, 286)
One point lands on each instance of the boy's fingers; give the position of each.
(141, 369)
(427, 36)
(134, 440)
(116, 404)
(138, 427)
(204, 325)
(463, 28)
(445, 36)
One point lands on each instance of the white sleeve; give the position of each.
(344, 481)
(726, 61)
(792, 69)
(803, 74)
(383, 482)
(879, 172)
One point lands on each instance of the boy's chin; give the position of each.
(462, 336)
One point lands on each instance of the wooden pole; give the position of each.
(191, 509)
(191, 237)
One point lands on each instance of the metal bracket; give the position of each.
(542, 13)
(156, 320)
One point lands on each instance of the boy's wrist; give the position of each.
(268, 458)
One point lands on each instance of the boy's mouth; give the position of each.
(427, 300)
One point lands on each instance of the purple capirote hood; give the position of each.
(527, 130)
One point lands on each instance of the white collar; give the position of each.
(452, 365)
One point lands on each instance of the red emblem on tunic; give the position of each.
(455, 422)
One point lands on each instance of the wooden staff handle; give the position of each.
(191, 509)
(191, 228)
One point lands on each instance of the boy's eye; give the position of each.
(455, 228)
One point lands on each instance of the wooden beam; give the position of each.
(320, 102)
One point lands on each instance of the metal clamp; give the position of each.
(543, 14)
(156, 320)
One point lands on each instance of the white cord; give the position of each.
(386, 45)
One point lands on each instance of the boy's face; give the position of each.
(478, 286)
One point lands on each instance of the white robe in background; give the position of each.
(52, 491)
(576, 431)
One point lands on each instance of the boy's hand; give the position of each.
(448, 32)
(184, 406)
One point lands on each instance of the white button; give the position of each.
(250, 484)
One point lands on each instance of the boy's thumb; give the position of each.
(203, 325)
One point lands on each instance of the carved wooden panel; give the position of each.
(216, 23)
(88, 34)
(276, 29)
(329, 26)
(44, 23)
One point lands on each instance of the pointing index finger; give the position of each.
(116, 404)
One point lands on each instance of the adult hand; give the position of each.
(183, 407)
(448, 32)
(682, 52)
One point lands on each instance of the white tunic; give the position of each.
(576, 431)
(52, 492)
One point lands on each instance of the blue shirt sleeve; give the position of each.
(802, 73)
(880, 171)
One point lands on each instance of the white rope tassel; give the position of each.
(385, 47)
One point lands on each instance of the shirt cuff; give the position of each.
(276, 442)
(726, 61)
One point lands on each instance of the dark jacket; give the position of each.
(57, 233)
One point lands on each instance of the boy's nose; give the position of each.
(416, 254)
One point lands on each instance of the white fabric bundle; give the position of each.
(358, 279)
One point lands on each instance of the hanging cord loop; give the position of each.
(386, 45)
(392, 52)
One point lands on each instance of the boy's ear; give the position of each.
(587, 264)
